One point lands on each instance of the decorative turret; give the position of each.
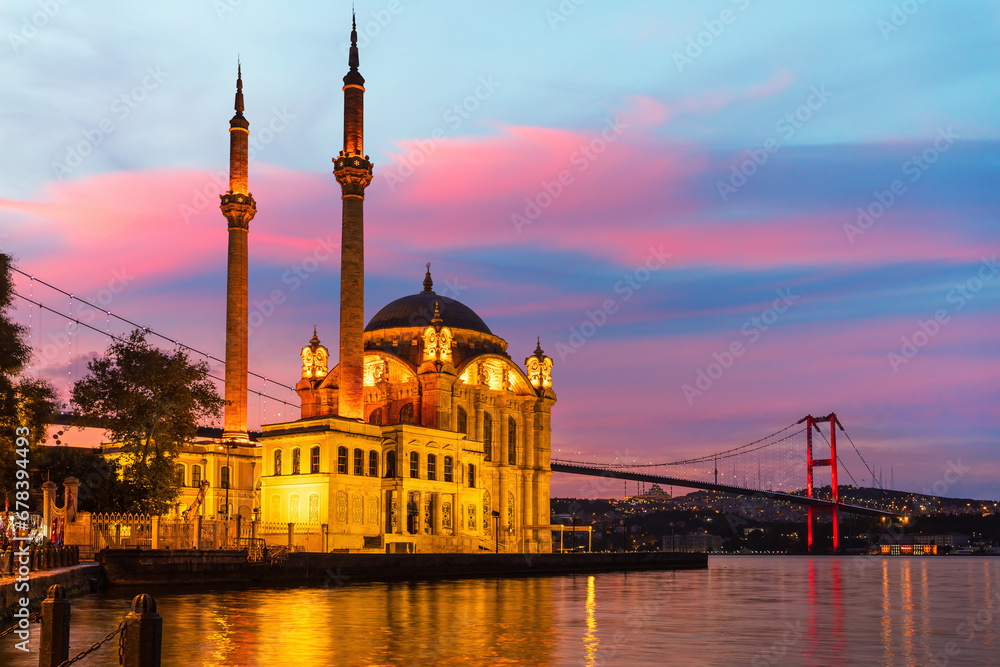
(239, 209)
(539, 367)
(314, 359)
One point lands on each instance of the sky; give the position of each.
(717, 216)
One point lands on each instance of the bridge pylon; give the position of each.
(811, 423)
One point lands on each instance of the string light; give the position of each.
(126, 341)
(148, 330)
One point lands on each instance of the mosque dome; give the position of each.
(417, 310)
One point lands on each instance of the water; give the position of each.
(750, 610)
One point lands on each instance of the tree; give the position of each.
(150, 402)
(25, 403)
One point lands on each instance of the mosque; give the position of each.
(425, 436)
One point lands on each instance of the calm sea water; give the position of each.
(743, 610)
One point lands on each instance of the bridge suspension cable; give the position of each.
(130, 323)
(872, 472)
(728, 453)
(126, 341)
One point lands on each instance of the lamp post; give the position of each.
(672, 547)
(624, 537)
(496, 520)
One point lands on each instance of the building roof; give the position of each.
(427, 309)
(417, 310)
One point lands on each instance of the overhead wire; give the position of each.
(126, 341)
(139, 326)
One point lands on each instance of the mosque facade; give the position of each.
(425, 435)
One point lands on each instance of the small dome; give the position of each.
(417, 310)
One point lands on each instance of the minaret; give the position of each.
(354, 173)
(239, 208)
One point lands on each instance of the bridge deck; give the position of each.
(576, 469)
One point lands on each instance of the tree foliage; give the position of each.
(24, 402)
(150, 402)
(102, 488)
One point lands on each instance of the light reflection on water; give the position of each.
(743, 610)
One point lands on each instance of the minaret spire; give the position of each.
(352, 59)
(239, 208)
(239, 89)
(354, 172)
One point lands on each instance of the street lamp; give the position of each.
(624, 537)
(496, 519)
(672, 547)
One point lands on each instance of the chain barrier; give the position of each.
(33, 617)
(121, 646)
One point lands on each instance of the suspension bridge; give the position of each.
(774, 468)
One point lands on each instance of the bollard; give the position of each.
(143, 633)
(47, 557)
(54, 641)
(76, 555)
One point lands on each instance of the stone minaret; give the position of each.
(239, 208)
(354, 173)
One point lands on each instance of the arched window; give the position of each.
(447, 469)
(359, 462)
(180, 475)
(431, 466)
(462, 421)
(511, 441)
(406, 414)
(375, 417)
(472, 476)
(224, 477)
(342, 460)
(296, 461)
(487, 436)
(196, 476)
(314, 459)
(373, 463)
(414, 465)
(277, 462)
(390, 464)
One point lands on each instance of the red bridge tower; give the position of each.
(811, 423)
